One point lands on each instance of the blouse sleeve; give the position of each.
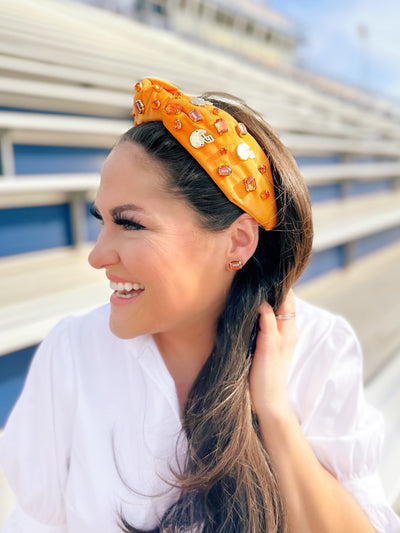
(345, 432)
(34, 448)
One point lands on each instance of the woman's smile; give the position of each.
(124, 291)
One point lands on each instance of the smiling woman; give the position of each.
(205, 397)
(158, 243)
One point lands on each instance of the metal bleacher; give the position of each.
(66, 76)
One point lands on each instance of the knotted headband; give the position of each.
(222, 146)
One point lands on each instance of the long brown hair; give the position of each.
(227, 482)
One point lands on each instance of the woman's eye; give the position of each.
(128, 224)
(94, 212)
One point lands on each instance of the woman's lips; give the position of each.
(124, 299)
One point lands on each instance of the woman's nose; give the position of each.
(103, 253)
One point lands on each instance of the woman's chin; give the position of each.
(122, 330)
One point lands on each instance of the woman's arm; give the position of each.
(316, 502)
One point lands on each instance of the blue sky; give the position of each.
(332, 45)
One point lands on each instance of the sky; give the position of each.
(354, 41)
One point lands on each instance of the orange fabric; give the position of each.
(233, 159)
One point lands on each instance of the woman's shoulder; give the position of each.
(77, 329)
(309, 313)
(327, 344)
(94, 319)
(317, 325)
(87, 337)
(326, 374)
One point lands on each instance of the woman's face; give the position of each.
(151, 240)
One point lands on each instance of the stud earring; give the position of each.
(235, 265)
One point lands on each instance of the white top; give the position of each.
(89, 393)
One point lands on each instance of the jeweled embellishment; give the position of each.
(177, 94)
(244, 152)
(139, 106)
(157, 88)
(177, 124)
(250, 184)
(262, 169)
(224, 170)
(155, 104)
(139, 86)
(240, 128)
(195, 115)
(199, 138)
(215, 111)
(173, 109)
(265, 195)
(199, 101)
(221, 126)
(223, 150)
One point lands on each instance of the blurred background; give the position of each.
(325, 75)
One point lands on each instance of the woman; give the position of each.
(192, 403)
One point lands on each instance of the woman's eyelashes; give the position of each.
(127, 223)
(95, 212)
(119, 220)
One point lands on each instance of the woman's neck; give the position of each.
(184, 355)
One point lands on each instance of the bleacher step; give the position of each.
(40, 288)
(347, 219)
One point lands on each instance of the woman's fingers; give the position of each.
(282, 320)
(288, 305)
(287, 310)
(274, 348)
(286, 317)
(267, 321)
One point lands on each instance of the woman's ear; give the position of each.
(243, 240)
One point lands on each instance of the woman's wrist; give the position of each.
(276, 424)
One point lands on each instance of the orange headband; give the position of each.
(222, 146)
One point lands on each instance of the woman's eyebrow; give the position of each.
(116, 211)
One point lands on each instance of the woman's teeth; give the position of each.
(123, 288)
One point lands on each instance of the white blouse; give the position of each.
(95, 431)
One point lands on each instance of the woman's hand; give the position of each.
(275, 344)
(315, 500)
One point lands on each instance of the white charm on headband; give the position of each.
(199, 138)
(244, 152)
